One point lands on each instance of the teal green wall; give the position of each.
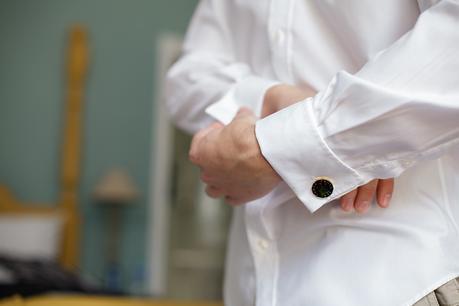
(118, 110)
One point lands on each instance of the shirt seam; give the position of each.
(290, 39)
(408, 156)
(324, 144)
(446, 196)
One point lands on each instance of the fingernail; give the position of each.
(362, 206)
(386, 200)
(348, 204)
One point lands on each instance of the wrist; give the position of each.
(260, 161)
(271, 99)
(281, 96)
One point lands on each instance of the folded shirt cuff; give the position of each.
(248, 92)
(291, 143)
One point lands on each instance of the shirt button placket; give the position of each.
(279, 37)
(278, 29)
(263, 244)
(264, 255)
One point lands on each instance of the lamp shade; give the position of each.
(116, 186)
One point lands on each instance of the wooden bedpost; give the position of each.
(71, 146)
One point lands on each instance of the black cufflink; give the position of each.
(322, 188)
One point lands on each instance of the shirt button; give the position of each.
(263, 244)
(193, 77)
(407, 163)
(279, 37)
(322, 188)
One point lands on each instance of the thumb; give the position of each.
(244, 112)
(214, 126)
(198, 138)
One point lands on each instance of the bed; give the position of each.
(45, 234)
(49, 232)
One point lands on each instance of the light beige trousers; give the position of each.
(446, 295)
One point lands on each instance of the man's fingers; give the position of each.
(347, 200)
(365, 196)
(206, 178)
(233, 201)
(214, 192)
(384, 192)
(361, 198)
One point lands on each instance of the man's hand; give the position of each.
(231, 161)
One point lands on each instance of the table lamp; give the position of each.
(115, 190)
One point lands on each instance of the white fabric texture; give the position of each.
(387, 106)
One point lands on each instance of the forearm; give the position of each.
(281, 96)
(209, 82)
(400, 109)
(202, 88)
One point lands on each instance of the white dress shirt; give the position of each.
(387, 76)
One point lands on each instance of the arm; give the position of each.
(399, 109)
(208, 74)
(281, 96)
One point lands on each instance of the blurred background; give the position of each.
(96, 191)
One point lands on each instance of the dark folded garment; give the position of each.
(34, 277)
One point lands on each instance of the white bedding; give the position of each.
(30, 237)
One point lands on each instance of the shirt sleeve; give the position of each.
(401, 108)
(208, 76)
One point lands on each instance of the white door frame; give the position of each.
(169, 46)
